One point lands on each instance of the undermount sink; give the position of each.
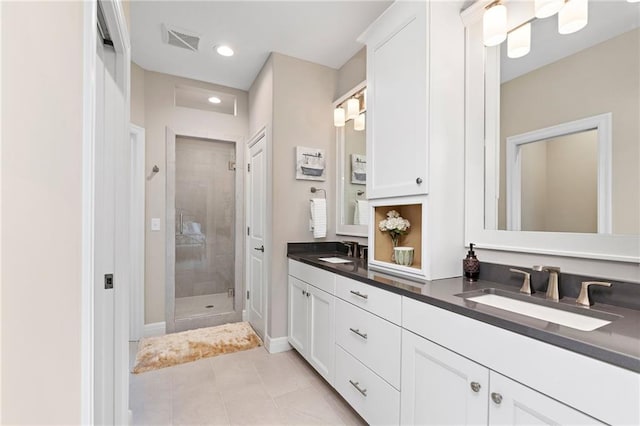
(570, 316)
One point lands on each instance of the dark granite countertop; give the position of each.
(617, 343)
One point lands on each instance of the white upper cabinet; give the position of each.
(415, 97)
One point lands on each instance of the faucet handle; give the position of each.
(583, 298)
(526, 283)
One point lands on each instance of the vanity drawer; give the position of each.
(317, 277)
(380, 302)
(373, 398)
(370, 339)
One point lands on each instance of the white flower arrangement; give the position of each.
(395, 225)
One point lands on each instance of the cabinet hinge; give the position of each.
(247, 294)
(248, 167)
(248, 231)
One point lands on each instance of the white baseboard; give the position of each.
(154, 329)
(279, 344)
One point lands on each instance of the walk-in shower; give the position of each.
(205, 220)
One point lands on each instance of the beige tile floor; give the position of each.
(244, 388)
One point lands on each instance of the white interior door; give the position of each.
(104, 232)
(256, 222)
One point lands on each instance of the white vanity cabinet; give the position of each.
(415, 134)
(523, 380)
(441, 387)
(368, 350)
(415, 98)
(311, 315)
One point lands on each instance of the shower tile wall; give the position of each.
(205, 195)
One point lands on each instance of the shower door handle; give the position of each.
(261, 248)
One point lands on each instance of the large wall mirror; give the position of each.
(352, 210)
(553, 138)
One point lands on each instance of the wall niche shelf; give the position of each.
(382, 240)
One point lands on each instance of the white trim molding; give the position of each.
(137, 231)
(277, 345)
(154, 329)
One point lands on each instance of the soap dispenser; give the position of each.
(471, 265)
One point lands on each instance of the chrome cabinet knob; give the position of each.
(496, 397)
(418, 181)
(475, 386)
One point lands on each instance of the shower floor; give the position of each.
(193, 306)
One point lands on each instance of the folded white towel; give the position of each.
(361, 213)
(319, 217)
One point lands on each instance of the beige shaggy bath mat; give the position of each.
(177, 348)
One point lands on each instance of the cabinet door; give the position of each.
(515, 404)
(298, 324)
(321, 350)
(439, 386)
(397, 116)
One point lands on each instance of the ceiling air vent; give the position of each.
(180, 38)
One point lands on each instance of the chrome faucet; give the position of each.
(552, 285)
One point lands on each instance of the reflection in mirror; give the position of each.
(352, 206)
(567, 78)
(552, 197)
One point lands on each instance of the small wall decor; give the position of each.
(359, 169)
(310, 163)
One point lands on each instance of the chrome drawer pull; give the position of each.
(496, 397)
(475, 386)
(357, 293)
(357, 386)
(357, 331)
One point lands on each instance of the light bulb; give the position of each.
(358, 123)
(546, 8)
(519, 41)
(633, 1)
(494, 25)
(338, 117)
(573, 16)
(353, 108)
(214, 100)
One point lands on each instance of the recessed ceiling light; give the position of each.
(214, 100)
(224, 50)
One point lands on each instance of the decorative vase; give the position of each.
(394, 240)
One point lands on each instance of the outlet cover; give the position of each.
(155, 223)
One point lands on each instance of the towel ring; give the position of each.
(314, 190)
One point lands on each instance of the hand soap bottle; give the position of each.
(471, 265)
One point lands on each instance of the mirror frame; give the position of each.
(482, 124)
(341, 227)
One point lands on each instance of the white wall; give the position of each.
(41, 199)
(159, 113)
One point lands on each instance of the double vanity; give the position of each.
(445, 352)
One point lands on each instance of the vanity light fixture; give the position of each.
(353, 108)
(224, 50)
(214, 100)
(546, 8)
(494, 24)
(519, 41)
(338, 117)
(573, 16)
(358, 123)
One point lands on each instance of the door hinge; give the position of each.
(248, 167)
(247, 294)
(248, 231)
(108, 281)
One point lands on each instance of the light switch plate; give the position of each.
(155, 223)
